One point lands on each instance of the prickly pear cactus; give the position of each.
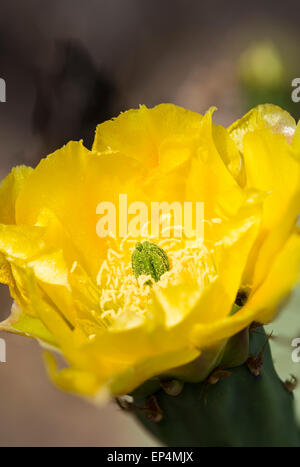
(246, 406)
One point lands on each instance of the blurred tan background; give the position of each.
(70, 64)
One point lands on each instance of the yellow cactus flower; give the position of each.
(76, 291)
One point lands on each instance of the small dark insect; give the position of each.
(241, 297)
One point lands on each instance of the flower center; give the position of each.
(131, 271)
(149, 259)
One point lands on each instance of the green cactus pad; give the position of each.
(239, 410)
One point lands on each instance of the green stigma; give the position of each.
(149, 259)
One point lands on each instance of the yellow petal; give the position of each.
(272, 244)
(262, 305)
(48, 313)
(71, 379)
(267, 116)
(24, 324)
(9, 190)
(270, 167)
(21, 241)
(209, 179)
(71, 183)
(6, 276)
(216, 300)
(229, 153)
(283, 276)
(148, 135)
(135, 375)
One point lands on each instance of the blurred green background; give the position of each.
(70, 64)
